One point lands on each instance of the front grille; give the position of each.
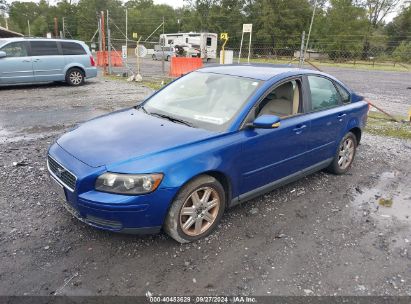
(64, 176)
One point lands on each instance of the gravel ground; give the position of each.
(322, 235)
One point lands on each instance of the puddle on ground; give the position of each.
(389, 199)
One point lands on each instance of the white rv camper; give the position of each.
(203, 45)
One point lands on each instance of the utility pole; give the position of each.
(28, 25)
(302, 53)
(103, 40)
(127, 29)
(64, 30)
(109, 44)
(162, 47)
(56, 30)
(309, 31)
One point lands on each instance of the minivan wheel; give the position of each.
(196, 210)
(345, 154)
(75, 77)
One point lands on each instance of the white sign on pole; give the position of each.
(124, 51)
(247, 28)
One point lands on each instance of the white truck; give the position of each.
(203, 45)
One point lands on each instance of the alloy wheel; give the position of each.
(76, 77)
(199, 211)
(346, 154)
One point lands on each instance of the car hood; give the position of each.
(124, 135)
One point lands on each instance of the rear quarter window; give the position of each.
(72, 48)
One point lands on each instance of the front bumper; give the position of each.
(114, 212)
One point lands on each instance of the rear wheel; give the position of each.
(75, 77)
(345, 154)
(196, 210)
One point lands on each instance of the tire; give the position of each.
(154, 57)
(199, 221)
(75, 77)
(345, 154)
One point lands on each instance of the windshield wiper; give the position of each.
(140, 106)
(173, 119)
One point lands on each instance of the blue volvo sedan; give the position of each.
(211, 139)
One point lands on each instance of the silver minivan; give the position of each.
(31, 60)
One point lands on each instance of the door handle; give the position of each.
(299, 129)
(26, 60)
(341, 116)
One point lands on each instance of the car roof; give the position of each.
(37, 39)
(256, 71)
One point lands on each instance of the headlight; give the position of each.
(128, 183)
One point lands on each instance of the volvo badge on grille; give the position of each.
(59, 172)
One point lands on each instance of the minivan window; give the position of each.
(44, 48)
(209, 41)
(15, 49)
(72, 48)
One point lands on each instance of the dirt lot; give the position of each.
(323, 235)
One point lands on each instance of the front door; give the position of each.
(48, 64)
(17, 66)
(271, 154)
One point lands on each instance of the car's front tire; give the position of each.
(345, 154)
(75, 77)
(196, 210)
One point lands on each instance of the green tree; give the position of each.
(340, 29)
(403, 52)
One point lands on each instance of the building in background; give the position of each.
(5, 33)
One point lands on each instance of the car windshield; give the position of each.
(203, 100)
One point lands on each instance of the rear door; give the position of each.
(48, 63)
(17, 66)
(328, 118)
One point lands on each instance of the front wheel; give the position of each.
(75, 77)
(196, 210)
(345, 154)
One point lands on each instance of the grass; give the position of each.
(360, 65)
(379, 124)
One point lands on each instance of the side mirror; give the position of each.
(3, 54)
(267, 122)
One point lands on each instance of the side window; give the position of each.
(44, 48)
(345, 96)
(15, 49)
(208, 41)
(283, 101)
(323, 93)
(72, 48)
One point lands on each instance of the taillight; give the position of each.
(92, 62)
